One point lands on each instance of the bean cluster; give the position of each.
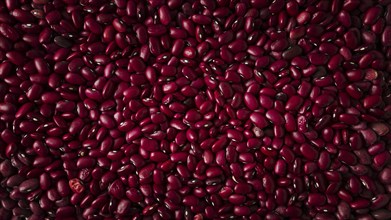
(195, 109)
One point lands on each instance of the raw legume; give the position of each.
(200, 109)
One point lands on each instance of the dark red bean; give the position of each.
(124, 207)
(294, 103)
(280, 167)
(9, 32)
(292, 52)
(259, 120)
(347, 157)
(275, 117)
(369, 136)
(54, 142)
(63, 188)
(234, 135)
(309, 152)
(76, 185)
(372, 101)
(385, 37)
(371, 15)
(380, 128)
(379, 201)
(242, 210)
(316, 199)
(7, 108)
(62, 42)
(28, 185)
(324, 100)
(349, 119)
(250, 101)
(245, 71)
(93, 26)
(16, 57)
(86, 162)
(107, 121)
(359, 204)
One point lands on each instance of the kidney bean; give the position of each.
(369, 136)
(381, 159)
(280, 167)
(275, 117)
(380, 128)
(292, 52)
(124, 207)
(323, 100)
(279, 45)
(54, 142)
(259, 120)
(245, 71)
(242, 210)
(349, 119)
(63, 188)
(359, 204)
(9, 32)
(85, 162)
(316, 199)
(309, 152)
(371, 15)
(28, 185)
(93, 26)
(385, 36)
(347, 157)
(294, 103)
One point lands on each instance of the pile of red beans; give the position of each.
(195, 109)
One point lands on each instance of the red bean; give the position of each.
(9, 32)
(116, 189)
(250, 101)
(316, 199)
(347, 157)
(280, 168)
(234, 135)
(237, 46)
(379, 201)
(28, 185)
(63, 188)
(294, 103)
(275, 117)
(292, 52)
(385, 36)
(242, 210)
(245, 71)
(369, 136)
(309, 152)
(323, 100)
(124, 206)
(107, 121)
(371, 15)
(94, 26)
(349, 119)
(380, 128)
(86, 162)
(371, 101)
(7, 108)
(278, 65)
(266, 101)
(381, 159)
(259, 120)
(359, 204)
